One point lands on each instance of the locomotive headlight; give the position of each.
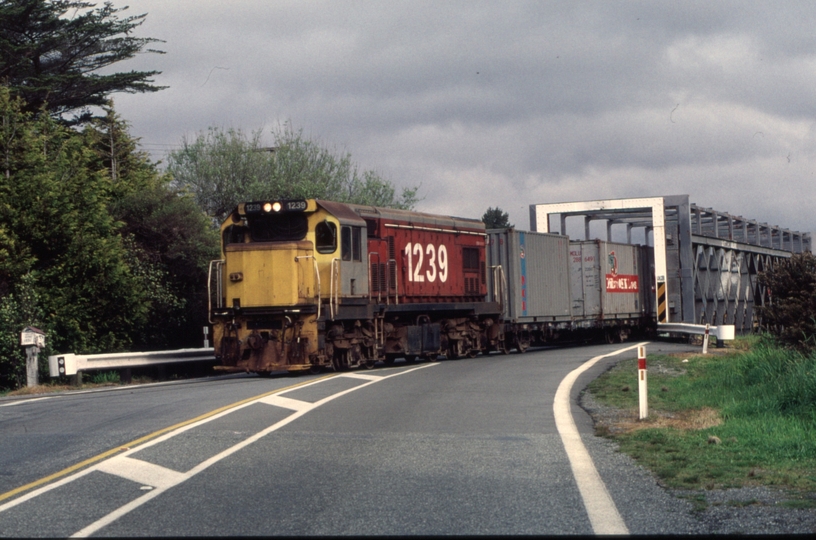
(272, 207)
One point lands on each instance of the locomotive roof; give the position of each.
(406, 216)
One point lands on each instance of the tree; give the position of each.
(791, 313)
(223, 168)
(168, 238)
(65, 267)
(495, 218)
(50, 59)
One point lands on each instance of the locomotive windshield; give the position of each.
(286, 227)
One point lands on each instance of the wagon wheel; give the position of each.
(410, 358)
(503, 345)
(369, 364)
(522, 345)
(610, 336)
(389, 359)
(314, 369)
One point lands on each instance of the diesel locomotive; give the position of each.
(304, 285)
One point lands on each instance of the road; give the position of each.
(453, 447)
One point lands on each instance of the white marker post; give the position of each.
(642, 389)
(705, 340)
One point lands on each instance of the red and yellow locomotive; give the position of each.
(308, 284)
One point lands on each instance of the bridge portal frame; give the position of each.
(706, 262)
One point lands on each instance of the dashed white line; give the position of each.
(142, 472)
(287, 403)
(603, 514)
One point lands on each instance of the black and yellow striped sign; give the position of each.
(662, 313)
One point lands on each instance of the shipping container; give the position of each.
(529, 275)
(607, 280)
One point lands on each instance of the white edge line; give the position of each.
(603, 514)
(24, 401)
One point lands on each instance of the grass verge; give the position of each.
(746, 417)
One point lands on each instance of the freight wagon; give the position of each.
(551, 289)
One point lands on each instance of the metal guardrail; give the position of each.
(70, 364)
(722, 332)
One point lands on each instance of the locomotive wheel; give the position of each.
(340, 361)
(454, 350)
(314, 369)
(410, 358)
(369, 364)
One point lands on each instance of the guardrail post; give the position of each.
(705, 340)
(642, 387)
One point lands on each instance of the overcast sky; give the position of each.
(507, 103)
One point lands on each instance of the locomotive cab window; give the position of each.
(234, 234)
(287, 227)
(326, 237)
(351, 244)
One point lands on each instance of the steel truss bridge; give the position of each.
(706, 262)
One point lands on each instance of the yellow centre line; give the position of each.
(140, 440)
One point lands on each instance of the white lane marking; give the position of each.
(118, 513)
(287, 403)
(142, 472)
(361, 376)
(24, 401)
(603, 514)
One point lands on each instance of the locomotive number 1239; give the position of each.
(420, 269)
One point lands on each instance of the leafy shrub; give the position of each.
(791, 313)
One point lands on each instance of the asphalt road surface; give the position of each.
(476, 446)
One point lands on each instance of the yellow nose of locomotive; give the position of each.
(269, 274)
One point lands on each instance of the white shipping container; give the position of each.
(606, 280)
(535, 270)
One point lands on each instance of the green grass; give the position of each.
(759, 402)
(106, 377)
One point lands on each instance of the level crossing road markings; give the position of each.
(603, 514)
(140, 440)
(157, 479)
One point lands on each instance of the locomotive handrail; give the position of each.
(317, 277)
(370, 278)
(334, 292)
(218, 264)
(396, 281)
